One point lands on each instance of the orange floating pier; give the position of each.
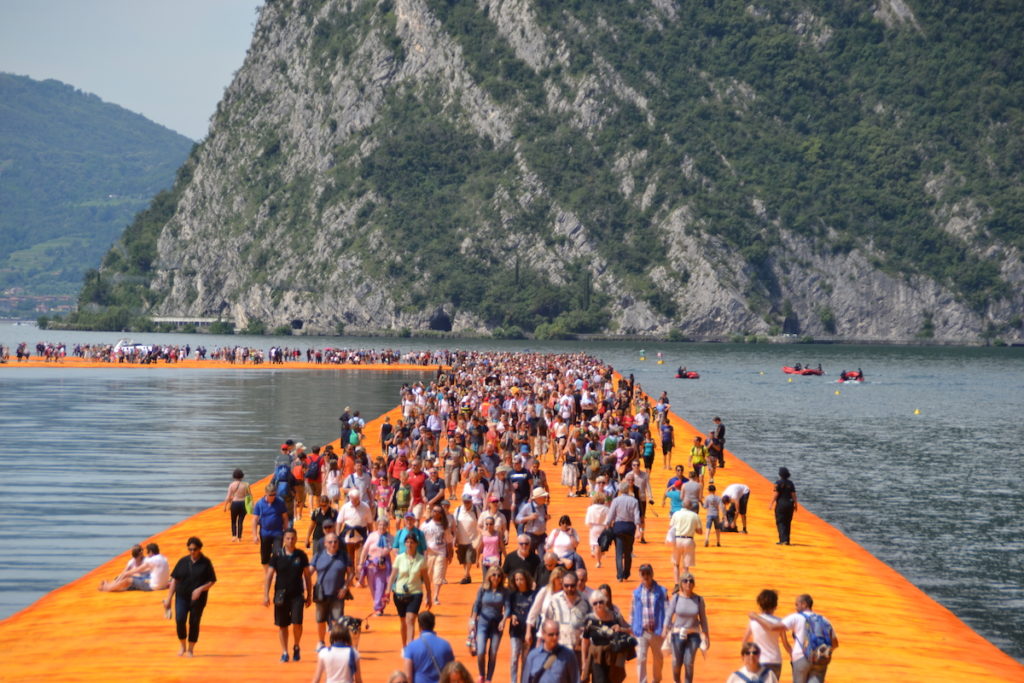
(889, 630)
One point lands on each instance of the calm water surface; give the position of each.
(118, 455)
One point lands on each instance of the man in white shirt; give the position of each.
(354, 520)
(810, 662)
(465, 536)
(153, 574)
(740, 494)
(682, 527)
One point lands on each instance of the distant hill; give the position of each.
(852, 170)
(74, 170)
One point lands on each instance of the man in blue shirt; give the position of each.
(269, 520)
(331, 568)
(551, 662)
(648, 622)
(428, 654)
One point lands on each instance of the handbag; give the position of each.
(606, 539)
(623, 643)
(318, 593)
(248, 500)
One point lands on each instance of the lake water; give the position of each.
(101, 458)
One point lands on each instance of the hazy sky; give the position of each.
(168, 60)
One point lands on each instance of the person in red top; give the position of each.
(417, 477)
(397, 466)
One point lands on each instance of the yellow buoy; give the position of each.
(917, 411)
(643, 357)
(837, 392)
(790, 379)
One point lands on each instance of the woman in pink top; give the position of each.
(489, 546)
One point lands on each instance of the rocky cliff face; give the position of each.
(583, 167)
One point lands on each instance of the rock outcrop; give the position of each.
(460, 166)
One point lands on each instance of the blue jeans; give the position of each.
(518, 657)
(684, 652)
(488, 637)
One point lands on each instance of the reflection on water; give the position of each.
(104, 458)
(936, 495)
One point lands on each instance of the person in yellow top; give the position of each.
(410, 583)
(699, 456)
(681, 529)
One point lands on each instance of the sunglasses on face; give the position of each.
(751, 652)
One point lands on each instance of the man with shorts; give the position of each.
(740, 493)
(684, 524)
(667, 443)
(465, 536)
(314, 475)
(293, 590)
(269, 520)
(331, 568)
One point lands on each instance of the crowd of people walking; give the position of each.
(458, 480)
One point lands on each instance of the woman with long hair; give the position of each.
(490, 610)
(520, 599)
(542, 600)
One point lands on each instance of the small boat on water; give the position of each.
(851, 376)
(683, 373)
(797, 370)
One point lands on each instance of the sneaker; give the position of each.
(466, 580)
(284, 657)
(295, 654)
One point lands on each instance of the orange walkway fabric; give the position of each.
(889, 630)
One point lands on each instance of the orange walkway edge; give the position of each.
(889, 630)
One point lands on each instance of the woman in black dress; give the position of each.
(191, 579)
(784, 502)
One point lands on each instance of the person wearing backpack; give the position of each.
(282, 481)
(814, 640)
(314, 468)
(752, 671)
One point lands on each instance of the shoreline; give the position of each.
(888, 628)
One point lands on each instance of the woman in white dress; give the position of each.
(596, 520)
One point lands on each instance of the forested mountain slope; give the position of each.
(847, 169)
(74, 170)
